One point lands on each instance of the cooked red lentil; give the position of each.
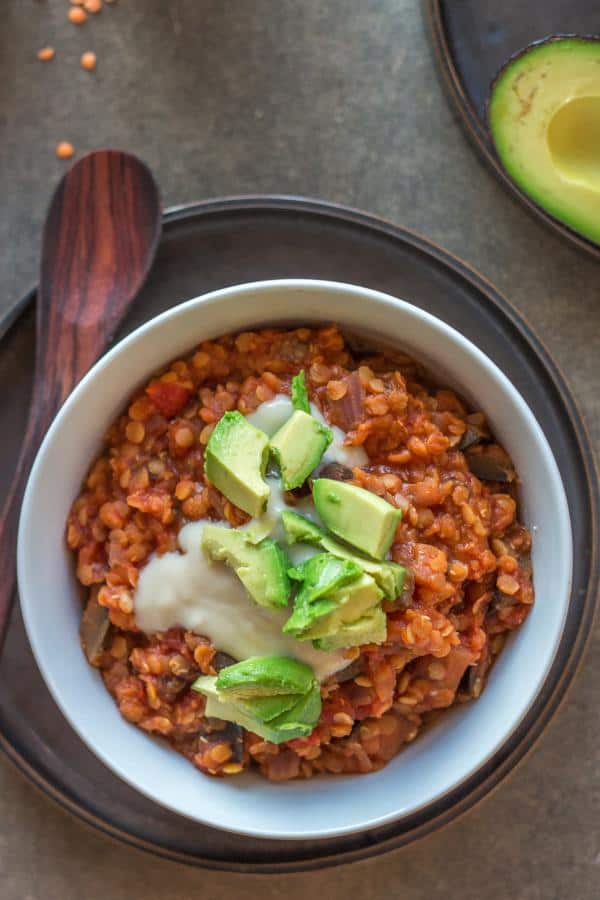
(459, 537)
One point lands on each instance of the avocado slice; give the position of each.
(298, 447)
(356, 515)
(292, 726)
(262, 568)
(300, 530)
(322, 574)
(235, 460)
(265, 676)
(390, 576)
(266, 709)
(328, 616)
(299, 393)
(544, 117)
(370, 629)
(304, 713)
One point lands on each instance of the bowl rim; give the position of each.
(181, 310)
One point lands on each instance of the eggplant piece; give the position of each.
(216, 731)
(168, 687)
(359, 345)
(491, 464)
(353, 669)
(473, 680)
(222, 660)
(348, 411)
(94, 628)
(408, 589)
(336, 472)
(292, 497)
(503, 601)
(472, 436)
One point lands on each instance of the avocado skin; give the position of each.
(562, 200)
(262, 568)
(235, 461)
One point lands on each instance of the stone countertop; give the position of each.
(337, 100)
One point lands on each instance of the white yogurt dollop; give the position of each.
(270, 416)
(188, 590)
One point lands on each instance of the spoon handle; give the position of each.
(40, 416)
(100, 237)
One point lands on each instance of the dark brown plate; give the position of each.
(223, 242)
(472, 39)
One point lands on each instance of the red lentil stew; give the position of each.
(467, 557)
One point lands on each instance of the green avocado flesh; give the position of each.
(370, 629)
(235, 460)
(390, 576)
(356, 515)
(299, 393)
(275, 697)
(264, 709)
(298, 447)
(322, 574)
(262, 568)
(265, 676)
(544, 117)
(292, 721)
(334, 594)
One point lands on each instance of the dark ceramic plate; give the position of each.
(474, 38)
(223, 242)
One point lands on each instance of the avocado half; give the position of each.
(544, 118)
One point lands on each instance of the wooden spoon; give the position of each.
(99, 241)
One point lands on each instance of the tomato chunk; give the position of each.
(168, 396)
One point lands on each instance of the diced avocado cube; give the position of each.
(299, 530)
(371, 629)
(329, 616)
(356, 515)
(262, 568)
(299, 393)
(265, 676)
(298, 447)
(390, 576)
(257, 529)
(219, 707)
(235, 460)
(323, 574)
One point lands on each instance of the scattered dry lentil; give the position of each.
(77, 15)
(64, 150)
(46, 54)
(88, 60)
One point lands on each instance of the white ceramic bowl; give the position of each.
(440, 759)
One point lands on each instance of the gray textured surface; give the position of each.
(338, 100)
